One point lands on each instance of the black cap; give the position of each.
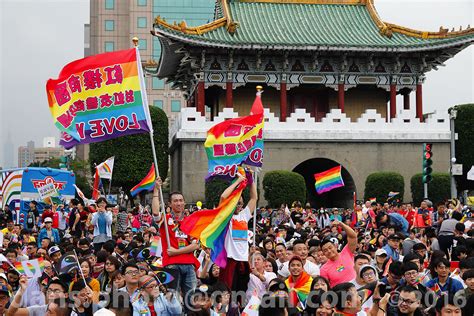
(395, 236)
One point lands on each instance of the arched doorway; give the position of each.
(339, 197)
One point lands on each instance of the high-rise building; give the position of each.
(114, 23)
(26, 154)
(29, 154)
(8, 152)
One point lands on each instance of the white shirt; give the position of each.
(309, 267)
(236, 240)
(255, 284)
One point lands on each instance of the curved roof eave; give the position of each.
(418, 48)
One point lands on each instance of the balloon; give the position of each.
(199, 204)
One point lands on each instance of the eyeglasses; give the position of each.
(57, 291)
(151, 286)
(132, 272)
(368, 274)
(48, 268)
(402, 300)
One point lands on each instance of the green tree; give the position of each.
(464, 127)
(439, 189)
(133, 155)
(379, 184)
(50, 163)
(81, 170)
(283, 187)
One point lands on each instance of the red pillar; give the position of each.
(340, 94)
(228, 95)
(406, 100)
(393, 100)
(283, 106)
(419, 102)
(200, 104)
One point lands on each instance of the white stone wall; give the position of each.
(336, 126)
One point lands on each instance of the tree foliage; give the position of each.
(133, 154)
(379, 184)
(464, 127)
(283, 187)
(439, 189)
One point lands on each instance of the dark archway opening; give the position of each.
(339, 197)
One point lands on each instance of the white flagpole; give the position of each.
(150, 126)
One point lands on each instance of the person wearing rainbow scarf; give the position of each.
(298, 283)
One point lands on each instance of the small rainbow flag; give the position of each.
(211, 226)
(147, 184)
(155, 247)
(31, 268)
(328, 180)
(436, 289)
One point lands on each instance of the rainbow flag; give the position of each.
(106, 168)
(236, 141)
(299, 290)
(211, 226)
(31, 268)
(147, 184)
(155, 247)
(436, 288)
(99, 97)
(328, 180)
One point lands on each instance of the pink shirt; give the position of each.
(340, 270)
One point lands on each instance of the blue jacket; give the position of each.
(392, 253)
(399, 221)
(452, 285)
(163, 306)
(43, 234)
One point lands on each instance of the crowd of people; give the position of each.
(375, 259)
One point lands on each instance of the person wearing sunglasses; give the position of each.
(154, 299)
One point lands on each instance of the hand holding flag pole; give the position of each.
(155, 160)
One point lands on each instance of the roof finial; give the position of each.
(259, 90)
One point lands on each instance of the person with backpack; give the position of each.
(32, 217)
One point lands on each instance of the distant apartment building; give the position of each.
(114, 23)
(29, 154)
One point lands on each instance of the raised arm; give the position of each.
(252, 205)
(155, 204)
(351, 235)
(227, 192)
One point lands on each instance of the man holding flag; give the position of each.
(179, 256)
(236, 273)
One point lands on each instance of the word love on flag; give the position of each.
(98, 98)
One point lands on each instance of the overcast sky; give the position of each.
(38, 37)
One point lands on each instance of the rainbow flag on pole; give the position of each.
(328, 180)
(236, 141)
(99, 97)
(211, 226)
(147, 184)
(31, 268)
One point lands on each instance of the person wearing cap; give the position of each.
(47, 212)
(54, 253)
(340, 265)
(4, 298)
(49, 232)
(154, 299)
(393, 246)
(380, 256)
(55, 289)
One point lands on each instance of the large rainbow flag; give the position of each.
(328, 180)
(211, 226)
(147, 184)
(99, 97)
(236, 141)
